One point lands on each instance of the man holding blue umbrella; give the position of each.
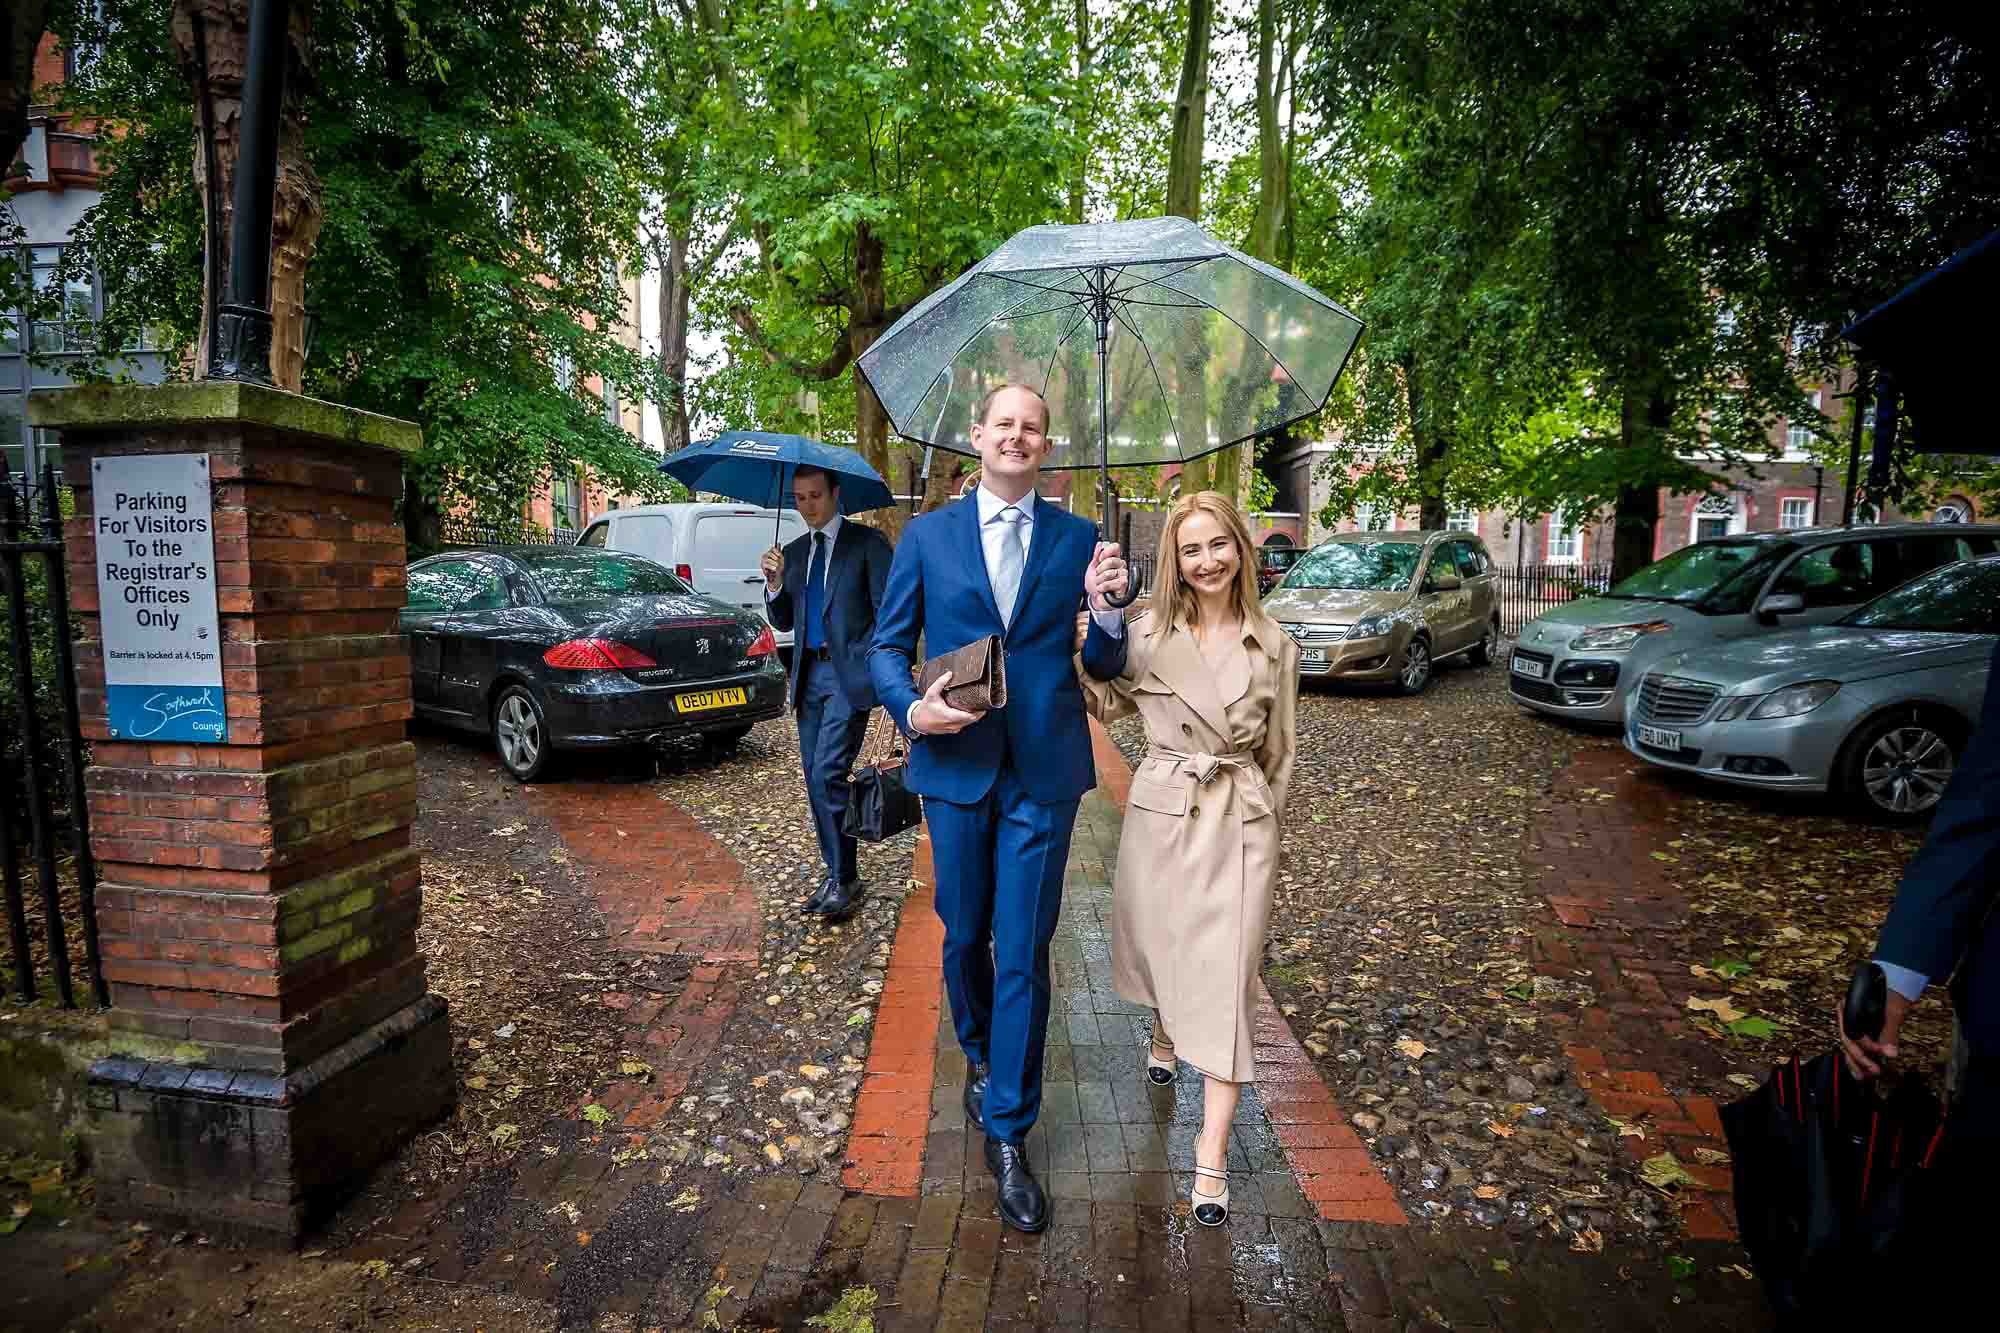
(824, 586)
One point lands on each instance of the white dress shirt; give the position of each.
(991, 535)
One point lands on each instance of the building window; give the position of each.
(1462, 520)
(566, 499)
(565, 373)
(1373, 518)
(1799, 434)
(1563, 540)
(75, 309)
(1716, 516)
(1795, 511)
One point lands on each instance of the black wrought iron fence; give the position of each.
(462, 534)
(1525, 591)
(42, 806)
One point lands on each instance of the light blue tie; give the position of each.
(1013, 559)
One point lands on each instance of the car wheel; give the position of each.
(521, 735)
(1414, 675)
(1482, 652)
(1897, 767)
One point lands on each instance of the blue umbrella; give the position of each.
(756, 467)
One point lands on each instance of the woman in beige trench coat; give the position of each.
(1216, 682)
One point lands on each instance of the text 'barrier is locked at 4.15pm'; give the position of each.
(155, 533)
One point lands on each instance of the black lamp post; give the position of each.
(240, 348)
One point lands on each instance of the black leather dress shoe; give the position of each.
(975, 1096)
(817, 902)
(1022, 1204)
(840, 900)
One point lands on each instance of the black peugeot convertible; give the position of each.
(549, 648)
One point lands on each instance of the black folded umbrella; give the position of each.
(1833, 1184)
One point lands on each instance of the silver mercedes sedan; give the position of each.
(1581, 659)
(1875, 708)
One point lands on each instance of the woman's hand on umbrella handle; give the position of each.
(773, 565)
(1867, 1056)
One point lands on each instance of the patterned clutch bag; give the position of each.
(978, 675)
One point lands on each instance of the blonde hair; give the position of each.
(1173, 601)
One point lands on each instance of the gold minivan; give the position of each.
(1389, 606)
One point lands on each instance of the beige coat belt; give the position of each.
(1200, 765)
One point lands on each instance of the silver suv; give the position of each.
(1580, 659)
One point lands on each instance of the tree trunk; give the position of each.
(1080, 102)
(1430, 449)
(1190, 115)
(215, 59)
(1643, 415)
(674, 304)
(26, 22)
(868, 322)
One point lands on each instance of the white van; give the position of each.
(715, 547)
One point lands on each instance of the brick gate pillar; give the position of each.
(258, 898)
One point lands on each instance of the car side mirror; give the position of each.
(1780, 604)
(1446, 582)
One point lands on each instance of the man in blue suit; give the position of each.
(1944, 924)
(1001, 789)
(825, 586)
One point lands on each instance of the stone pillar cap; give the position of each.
(124, 406)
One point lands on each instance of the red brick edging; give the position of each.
(885, 1148)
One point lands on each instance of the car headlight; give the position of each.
(1371, 627)
(1794, 700)
(1616, 638)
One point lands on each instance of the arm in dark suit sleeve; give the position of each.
(880, 553)
(778, 605)
(1103, 654)
(899, 618)
(1949, 887)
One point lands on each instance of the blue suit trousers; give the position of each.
(830, 735)
(1000, 867)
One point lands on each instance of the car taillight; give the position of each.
(767, 643)
(686, 573)
(597, 655)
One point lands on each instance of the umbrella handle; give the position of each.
(1867, 1001)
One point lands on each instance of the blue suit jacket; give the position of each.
(856, 574)
(938, 588)
(1944, 909)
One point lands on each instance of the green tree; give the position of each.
(1636, 176)
(481, 178)
(876, 152)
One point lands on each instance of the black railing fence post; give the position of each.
(79, 810)
(31, 743)
(10, 851)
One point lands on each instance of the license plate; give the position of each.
(1312, 657)
(1658, 739)
(1528, 666)
(698, 701)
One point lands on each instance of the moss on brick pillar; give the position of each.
(259, 897)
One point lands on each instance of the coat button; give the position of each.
(1186, 730)
(1194, 811)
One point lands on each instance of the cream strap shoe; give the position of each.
(1211, 1210)
(1159, 1072)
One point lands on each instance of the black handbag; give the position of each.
(879, 803)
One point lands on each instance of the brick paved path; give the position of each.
(1620, 917)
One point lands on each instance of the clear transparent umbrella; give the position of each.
(1152, 342)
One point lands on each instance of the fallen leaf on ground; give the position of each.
(1721, 1008)
(1503, 1131)
(1626, 1129)
(1664, 1172)
(1412, 1048)
(1743, 1081)
(1679, 1267)
(1710, 1157)
(1486, 1192)
(1758, 1028)
(1588, 1241)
